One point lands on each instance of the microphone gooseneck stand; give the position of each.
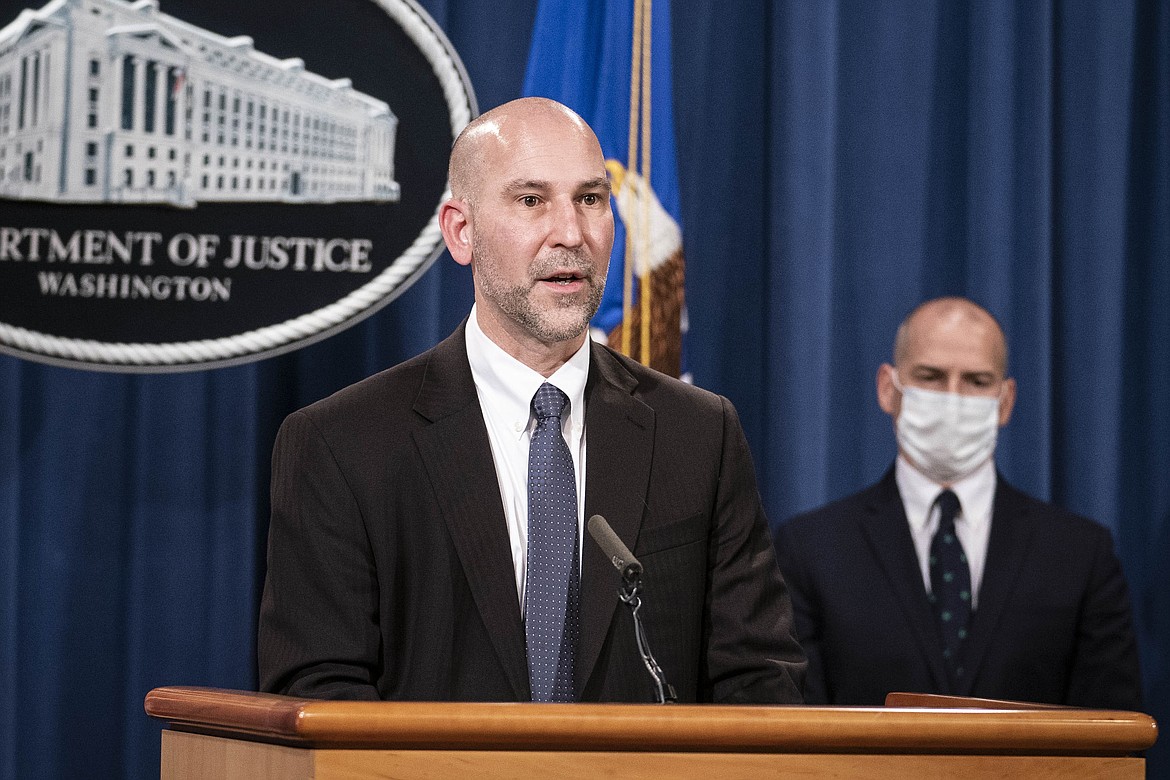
(631, 573)
(628, 593)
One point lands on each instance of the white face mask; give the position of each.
(946, 435)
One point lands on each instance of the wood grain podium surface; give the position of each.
(236, 734)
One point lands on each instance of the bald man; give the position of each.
(943, 578)
(410, 555)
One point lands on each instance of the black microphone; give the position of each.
(611, 544)
(631, 569)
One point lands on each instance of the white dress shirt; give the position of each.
(505, 387)
(976, 494)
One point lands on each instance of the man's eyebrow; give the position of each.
(600, 183)
(521, 185)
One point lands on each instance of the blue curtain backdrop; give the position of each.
(839, 162)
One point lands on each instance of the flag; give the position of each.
(609, 60)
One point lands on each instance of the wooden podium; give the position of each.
(252, 736)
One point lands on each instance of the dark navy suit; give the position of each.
(1053, 622)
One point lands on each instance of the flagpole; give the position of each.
(644, 267)
(631, 162)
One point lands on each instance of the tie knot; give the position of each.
(948, 507)
(549, 401)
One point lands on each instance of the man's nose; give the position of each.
(566, 228)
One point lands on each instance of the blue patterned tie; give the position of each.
(551, 593)
(950, 585)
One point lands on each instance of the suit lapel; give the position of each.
(1006, 550)
(888, 533)
(620, 441)
(457, 455)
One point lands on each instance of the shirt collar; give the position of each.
(506, 384)
(976, 493)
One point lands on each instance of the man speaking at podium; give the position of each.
(426, 539)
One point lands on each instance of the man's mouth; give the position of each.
(563, 278)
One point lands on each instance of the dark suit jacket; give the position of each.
(389, 570)
(1052, 625)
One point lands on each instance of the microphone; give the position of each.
(631, 570)
(611, 544)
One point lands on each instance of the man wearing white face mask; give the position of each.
(942, 577)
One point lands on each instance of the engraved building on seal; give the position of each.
(107, 101)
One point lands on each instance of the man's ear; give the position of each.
(1007, 401)
(455, 222)
(889, 399)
